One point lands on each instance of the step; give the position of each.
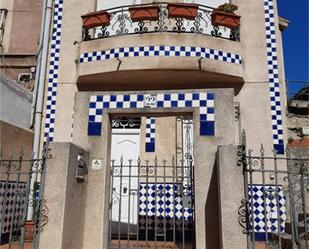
(286, 240)
(300, 228)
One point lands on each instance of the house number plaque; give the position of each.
(150, 100)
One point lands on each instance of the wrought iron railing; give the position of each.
(23, 209)
(121, 23)
(275, 209)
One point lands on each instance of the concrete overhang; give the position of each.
(157, 79)
(149, 72)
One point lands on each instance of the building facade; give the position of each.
(154, 105)
(19, 39)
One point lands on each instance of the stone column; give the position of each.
(231, 191)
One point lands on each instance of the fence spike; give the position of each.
(156, 160)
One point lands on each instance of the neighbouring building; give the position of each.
(19, 37)
(298, 122)
(15, 115)
(152, 99)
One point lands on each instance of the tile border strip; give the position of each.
(49, 129)
(160, 50)
(150, 134)
(203, 100)
(273, 75)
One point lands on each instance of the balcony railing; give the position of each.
(120, 22)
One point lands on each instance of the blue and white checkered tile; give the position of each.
(273, 74)
(160, 50)
(12, 203)
(150, 134)
(267, 212)
(164, 202)
(203, 100)
(53, 72)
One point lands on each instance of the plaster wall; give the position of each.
(96, 210)
(105, 4)
(159, 62)
(25, 27)
(15, 103)
(253, 95)
(13, 139)
(165, 139)
(65, 199)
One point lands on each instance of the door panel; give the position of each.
(125, 147)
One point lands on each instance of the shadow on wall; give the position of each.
(14, 139)
(212, 213)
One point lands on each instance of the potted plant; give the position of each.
(224, 16)
(96, 19)
(182, 10)
(144, 13)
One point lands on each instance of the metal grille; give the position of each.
(152, 204)
(121, 23)
(274, 212)
(21, 200)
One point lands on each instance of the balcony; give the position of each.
(157, 46)
(153, 18)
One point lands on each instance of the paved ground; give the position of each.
(16, 246)
(260, 245)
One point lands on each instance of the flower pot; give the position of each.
(182, 10)
(29, 230)
(144, 13)
(229, 20)
(96, 19)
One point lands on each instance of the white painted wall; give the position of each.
(106, 4)
(211, 3)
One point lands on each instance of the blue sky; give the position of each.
(295, 41)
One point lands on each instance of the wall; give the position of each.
(65, 199)
(25, 27)
(21, 37)
(99, 147)
(105, 4)
(13, 139)
(15, 103)
(255, 112)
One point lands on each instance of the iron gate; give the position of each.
(23, 212)
(152, 204)
(275, 210)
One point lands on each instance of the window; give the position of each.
(3, 14)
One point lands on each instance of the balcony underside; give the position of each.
(157, 79)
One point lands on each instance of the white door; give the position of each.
(125, 146)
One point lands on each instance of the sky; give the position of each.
(295, 41)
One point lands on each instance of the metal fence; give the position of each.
(275, 209)
(152, 204)
(122, 24)
(23, 212)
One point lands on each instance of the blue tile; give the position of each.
(94, 129)
(279, 148)
(207, 128)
